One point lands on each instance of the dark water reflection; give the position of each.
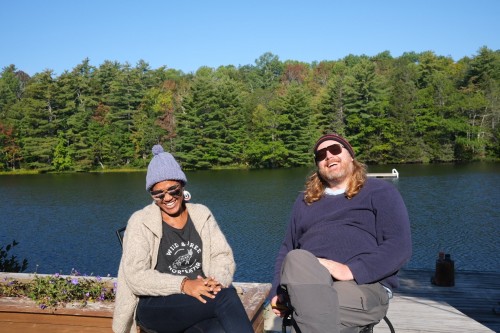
(68, 221)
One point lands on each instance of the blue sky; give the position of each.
(185, 35)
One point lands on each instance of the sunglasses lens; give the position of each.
(175, 193)
(334, 149)
(320, 155)
(159, 195)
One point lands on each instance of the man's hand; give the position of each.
(339, 271)
(278, 306)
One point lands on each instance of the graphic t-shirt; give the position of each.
(180, 251)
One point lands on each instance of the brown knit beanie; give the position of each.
(335, 137)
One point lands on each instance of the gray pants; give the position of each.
(321, 304)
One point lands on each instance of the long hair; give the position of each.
(315, 185)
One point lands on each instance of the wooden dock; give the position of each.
(393, 174)
(419, 306)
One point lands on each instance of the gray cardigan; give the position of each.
(136, 274)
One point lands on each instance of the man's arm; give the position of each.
(339, 271)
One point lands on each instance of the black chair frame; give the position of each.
(119, 234)
(288, 321)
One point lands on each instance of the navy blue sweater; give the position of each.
(370, 233)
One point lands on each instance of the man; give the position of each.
(347, 238)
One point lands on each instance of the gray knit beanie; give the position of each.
(162, 167)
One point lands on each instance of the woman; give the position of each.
(176, 269)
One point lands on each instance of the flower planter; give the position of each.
(24, 315)
(20, 314)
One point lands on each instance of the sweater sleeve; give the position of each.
(222, 265)
(393, 238)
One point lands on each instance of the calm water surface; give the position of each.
(68, 221)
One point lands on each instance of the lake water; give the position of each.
(68, 221)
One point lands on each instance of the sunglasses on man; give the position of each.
(335, 149)
(174, 191)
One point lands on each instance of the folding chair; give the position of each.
(288, 321)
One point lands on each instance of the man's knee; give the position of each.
(298, 258)
(300, 266)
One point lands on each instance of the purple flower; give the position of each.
(43, 306)
(56, 275)
(74, 281)
(98, 278)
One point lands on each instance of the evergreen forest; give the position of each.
(415, 108)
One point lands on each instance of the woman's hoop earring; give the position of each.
(187, 195)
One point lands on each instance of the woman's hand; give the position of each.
(339, 271)
(212, 283)
(200, 286)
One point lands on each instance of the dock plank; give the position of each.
(474, 295)
(393, 174)
(419, 306)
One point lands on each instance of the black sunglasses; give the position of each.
(174, 191)
(335, 149)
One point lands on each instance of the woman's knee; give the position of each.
(207, 326)
(228, 295)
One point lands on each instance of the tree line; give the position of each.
(415, 108)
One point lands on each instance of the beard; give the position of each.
(336, 175)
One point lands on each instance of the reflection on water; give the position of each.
(68, 221)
